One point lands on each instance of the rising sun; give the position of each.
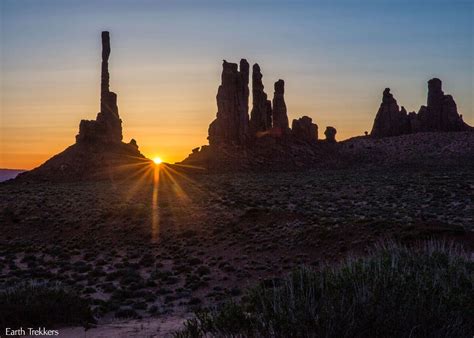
(157, 160)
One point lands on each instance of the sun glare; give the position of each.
(157, 160)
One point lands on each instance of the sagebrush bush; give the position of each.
(35, 304)
(425, 291)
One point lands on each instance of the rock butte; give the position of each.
(99, 151)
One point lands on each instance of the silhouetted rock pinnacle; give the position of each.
(280, 117)
(390, 119)
(261, 115)
(231, 125)
(108, 126)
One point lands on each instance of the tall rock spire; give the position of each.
(107, 127)
(104, 84)
(280, 117)
(261, 114)
(231, 125)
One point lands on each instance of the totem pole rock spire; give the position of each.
(104, 85)
(108, 126)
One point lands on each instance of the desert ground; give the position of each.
(165, 243)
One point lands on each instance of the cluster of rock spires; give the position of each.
(99, 151)
(233, 126)
(440, 114)
(265, 140)
(239, 140)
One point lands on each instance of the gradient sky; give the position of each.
(336, 57)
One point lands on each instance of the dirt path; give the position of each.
(143, 328)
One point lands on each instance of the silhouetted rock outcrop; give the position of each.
(330, 134)
(261, 114)
(390, 119)
(304, 129)
(280, 117)
(263, 141)
(231, 125)
(108, 125)
(99, 151)
(277, 147)
(440, 114)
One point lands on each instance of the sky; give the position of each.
(336, 57)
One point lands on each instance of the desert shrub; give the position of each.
(39, 304)
(203, 270)
(126, 313)
(394, 292)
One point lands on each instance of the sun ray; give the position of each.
(139, 179)
(194, 183)
(181, 194)
(189, 166)
(155, 216)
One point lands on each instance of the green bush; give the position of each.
(42, 305)
(425, 291)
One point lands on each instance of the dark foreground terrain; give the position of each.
(167, 243)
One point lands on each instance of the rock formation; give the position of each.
(440, 114)
(280, 117)
(108, 126)
(231, 125)
(99, 151)
(304, 129)
(265, 140)
(330, 134)
(261, 114)
(390, 119)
